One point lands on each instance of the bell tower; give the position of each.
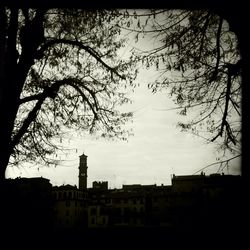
(83, 172)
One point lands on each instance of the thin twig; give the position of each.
(215, 163)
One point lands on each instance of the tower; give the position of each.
(83, 172)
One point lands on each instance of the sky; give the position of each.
(157, 150)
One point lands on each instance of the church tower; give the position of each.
(83, 172)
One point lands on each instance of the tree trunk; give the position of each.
(13, 73)
(3, 25)
(9, 91)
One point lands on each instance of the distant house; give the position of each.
(98, 205)
(192, 202)
(27, 205)
(69, 207)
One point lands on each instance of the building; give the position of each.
(185, 204)
(100, 185)
(193, 207)
(69, 207)
(83, 174)
(26, 205)
(189, 203)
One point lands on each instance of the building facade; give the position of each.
(70, 207)
(189, 202)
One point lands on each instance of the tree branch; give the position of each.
(30, 98)
(92, 93)
(51, 92)
(215, 73)
(235, 105)
(85, 98)
(204, 28)
(30, 118)
(143, 15)
(206, 116)
(216, 163)
(88, 49)
(229, 133)
(225, 113)
(227, 100)
(48, 92)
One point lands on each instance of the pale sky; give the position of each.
(157, 150)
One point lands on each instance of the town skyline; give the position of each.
(157, 150)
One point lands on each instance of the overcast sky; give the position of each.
(157, 150)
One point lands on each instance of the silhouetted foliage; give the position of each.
(198, 62)
(60, 72)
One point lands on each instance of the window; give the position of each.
(67, 203)
(93, 220)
